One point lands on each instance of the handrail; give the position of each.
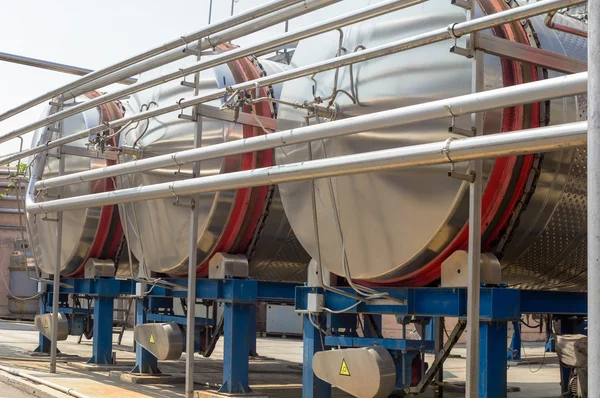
(53, 66)
(522, 142)
(452, 31)
(461, 105)
(170, 45)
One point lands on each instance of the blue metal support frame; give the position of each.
(312, 386)
(240, 297)
(145, 362)
(236, 347)
(103, 291)
(103, 331)
(492, 359)
(498, 306)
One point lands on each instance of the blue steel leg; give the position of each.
(103, 326)
(144, 361)
(430, 330)
(236, 347)
(44, 344)
(514, 352)
(312, 386)
(252, 331)
(492, 359)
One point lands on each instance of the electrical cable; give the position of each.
(341, 311)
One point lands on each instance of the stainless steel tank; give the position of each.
(87, 233)
(246, 221)
(397, 227)
(20, 269)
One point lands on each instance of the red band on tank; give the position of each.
(499, 179)
(249, 202)
(109, 232)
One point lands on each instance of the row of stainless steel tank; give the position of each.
(393, 227)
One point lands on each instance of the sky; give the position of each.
(93, 34)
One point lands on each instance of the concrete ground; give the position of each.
(278, 372)
(7, 391)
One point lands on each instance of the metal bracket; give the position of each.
(181, 174)
(46, 218)
(188, 84)
(191, 118)
(190, 205)
(470, 177)
(187, 50)
(459, 131)
(465, 52)
(466, 4)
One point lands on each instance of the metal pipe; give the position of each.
(10, 185)
(10, 197)
(375, 52)
(460, 150)
(11, 227)
(4, 210)
(207, 43)
(190, 337)
(549, 22)
(170, 45)
(593, 199)
(53, 66)
(312, 30)
(58, 258)
(474, 254)
(446, 108)
(38, 380)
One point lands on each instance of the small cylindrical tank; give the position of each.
(397, 227)
(87, 233)
(20, 269)
(244, 221)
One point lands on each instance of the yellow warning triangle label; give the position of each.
(151, 339)
(344, 369)
(46, 325)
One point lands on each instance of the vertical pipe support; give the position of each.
(145, 362)
(593, 198)
(235, 348)
(103, 331)
(57, 259)
(312, 386)
(190, 335)
(474, 268)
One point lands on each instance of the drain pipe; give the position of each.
(65, 390)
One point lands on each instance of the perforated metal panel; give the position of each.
(557, 259)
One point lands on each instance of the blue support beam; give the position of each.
(252, 331)
(103, 327)
(492, 359)
(312, 386)
(145, 362)
(236, 348)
